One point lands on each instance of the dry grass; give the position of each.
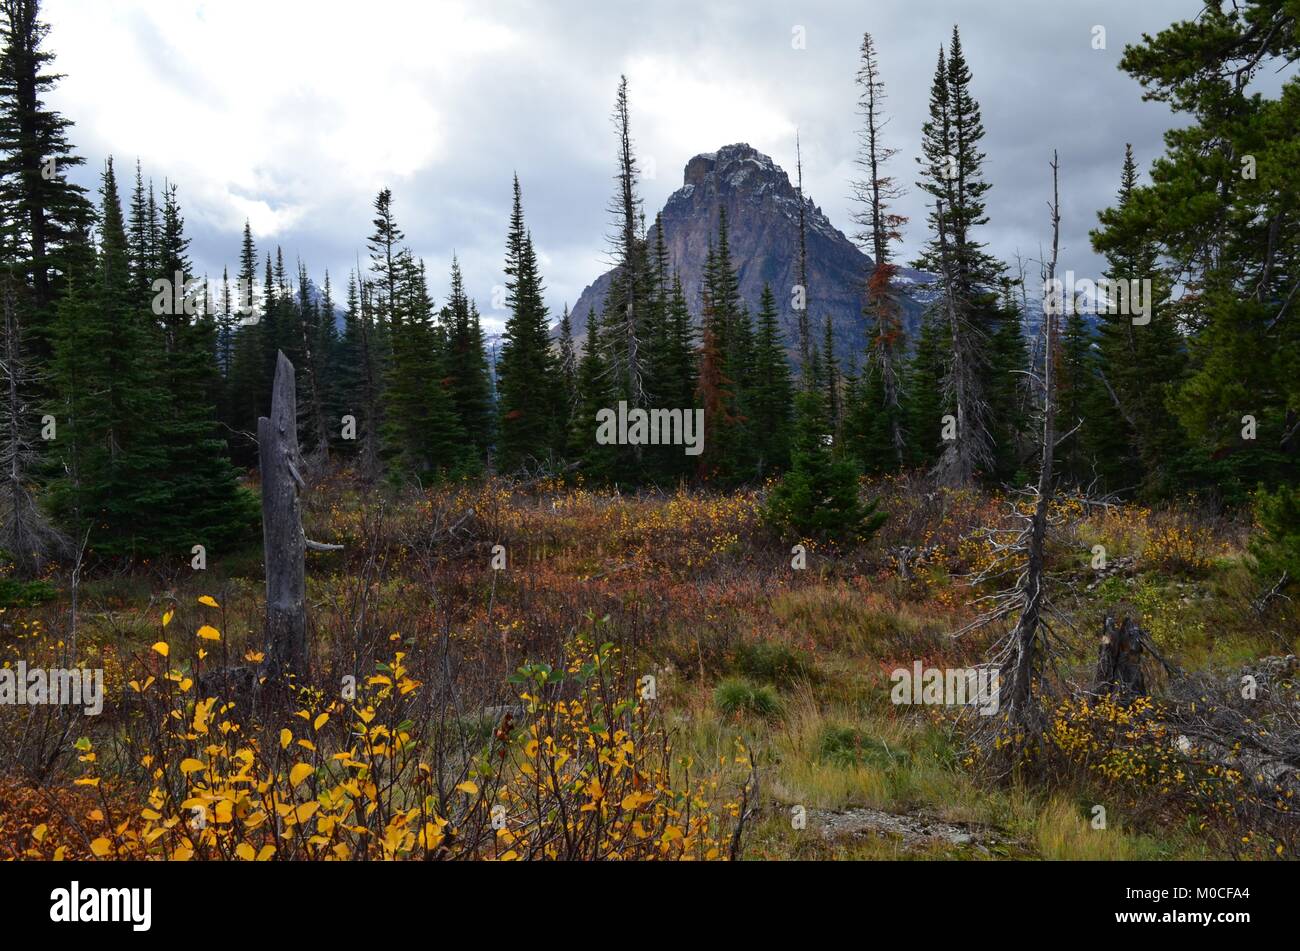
(687, 588)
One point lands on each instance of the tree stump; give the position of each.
(1119, 660)
(283, 543)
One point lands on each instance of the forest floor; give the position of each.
(753, 689)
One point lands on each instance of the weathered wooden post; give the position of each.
(283, 542)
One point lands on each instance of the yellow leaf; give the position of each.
(304, 812)
(286, 737)
(253, 657)
(162, 648)
(167, 618)
(266, 853)
(191, 765)
(101, 846)
(86, 781)
(299, 773)
(635, 800)
(209, 600)
(209, 633)
(39, 832)
(469, 787)
(321, 721)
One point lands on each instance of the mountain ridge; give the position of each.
(763, 231)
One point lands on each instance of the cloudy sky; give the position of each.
(293, 114)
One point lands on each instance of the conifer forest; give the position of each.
(429, 473)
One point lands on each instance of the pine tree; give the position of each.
(831, 382)
(529, 388)
(656, 324)
(772, 392)
(818, 498)
(1076, 401)
(49, 216)
(248, 387)
(951, 165)
(314, 433)
(678, 366)
(424, 436)
(114, 441)
(140, 236)
(329, 359)
(384, 245)
(358, 410)
(625, 304)
(1005, 393)
(598, 462)
(1221, 208)
(926, 403)
(1140, 366)
(467, 368)
(205, 504)
(723, 355)
(568, 367)
(877, 424)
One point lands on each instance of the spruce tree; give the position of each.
(772, 392)
(818, 499)
(467, 368)
(1141, 366)
(248, 388)
(205, 504)
(314, 430)
(568, 369)
(1076, 400)
(926, 403)
(597, 462)
(48, 216)
(529, 388)
(723, 355)
(951, 164)
(424, 436)
(114, 444)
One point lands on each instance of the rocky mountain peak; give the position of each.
(762, 207)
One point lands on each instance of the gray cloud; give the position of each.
(294, 115)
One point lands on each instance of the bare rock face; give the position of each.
(762, 208)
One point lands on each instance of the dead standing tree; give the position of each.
(24, 532)
(1021, 656)
(283, 541)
